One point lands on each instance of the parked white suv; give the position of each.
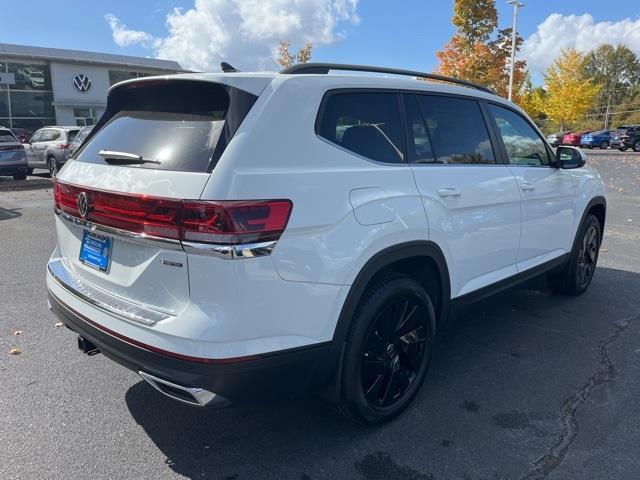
(237, 236)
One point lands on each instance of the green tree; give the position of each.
(475, 20)
(570, 92)
(617, 69)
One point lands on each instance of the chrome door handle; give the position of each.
(526, 186)
(449, 192)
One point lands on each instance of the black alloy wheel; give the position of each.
(387, 350)
(604, 145)
(577, 274)
(636, 146)
(53, 167)
(395, 350)
(587, 257)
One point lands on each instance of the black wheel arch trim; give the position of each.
(379, 261)
(595, 201)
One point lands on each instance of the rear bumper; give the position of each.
(621, 143)
(285, 373)
(13, 169)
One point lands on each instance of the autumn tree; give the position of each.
(286, 58)
(478, 52)
(569, 91)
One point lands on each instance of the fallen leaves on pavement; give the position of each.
(59, 324)
(17, 332)
(15, 351)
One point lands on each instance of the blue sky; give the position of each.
(403, 33)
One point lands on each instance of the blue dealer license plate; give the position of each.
(95, 250)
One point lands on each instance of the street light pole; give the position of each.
(516, 4)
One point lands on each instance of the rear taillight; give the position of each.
(228, 222)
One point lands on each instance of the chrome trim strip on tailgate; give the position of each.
(229, 252)
(166, 243)
(71, 280)
(226, 252)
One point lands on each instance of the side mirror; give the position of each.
(570, 157)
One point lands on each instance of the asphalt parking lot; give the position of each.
(526, 385)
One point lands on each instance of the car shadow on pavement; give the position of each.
(500, 401)
(32, 183)
(6, 214)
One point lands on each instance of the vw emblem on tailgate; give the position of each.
(83, 204)
(82, 82)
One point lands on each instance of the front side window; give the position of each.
(457, 130)
(524, 146)
(365, 123)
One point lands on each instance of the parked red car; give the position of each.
(574, 138)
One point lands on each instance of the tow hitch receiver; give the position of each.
(87, 347)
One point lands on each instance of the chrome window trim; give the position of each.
(71, 280)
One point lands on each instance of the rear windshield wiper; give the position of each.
(124, 158)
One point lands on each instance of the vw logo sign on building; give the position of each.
(82, 82)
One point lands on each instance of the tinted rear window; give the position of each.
(367, 124)
(184, 125)
(7, 137)
(71, 134)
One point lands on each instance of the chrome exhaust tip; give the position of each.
(191, 395)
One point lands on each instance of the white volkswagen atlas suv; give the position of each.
(236, 236)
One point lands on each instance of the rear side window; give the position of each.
(419, 145)
(177, 125)
(365, 123)
(53, 135)
(71, 134)
(457, 130)
(524, 146)
(7, 137)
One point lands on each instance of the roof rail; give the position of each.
(324, 68)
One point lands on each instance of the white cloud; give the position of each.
(578, 31)
(125, 37)
(244, 33)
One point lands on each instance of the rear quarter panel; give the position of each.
(277, 154)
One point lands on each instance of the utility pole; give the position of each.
(516, 4)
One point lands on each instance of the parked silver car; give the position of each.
(49, 148)
(13, 158)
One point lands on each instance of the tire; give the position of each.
(30, 171)
(20, 176)
(636, 146)
(52, 165)
(622, 149)
(578, 273)
(384, 366)
(604, 145)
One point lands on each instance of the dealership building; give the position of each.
(50, 86)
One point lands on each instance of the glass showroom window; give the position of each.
(28, 100)
(30, 76)
(84, 116)
(116, 76)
